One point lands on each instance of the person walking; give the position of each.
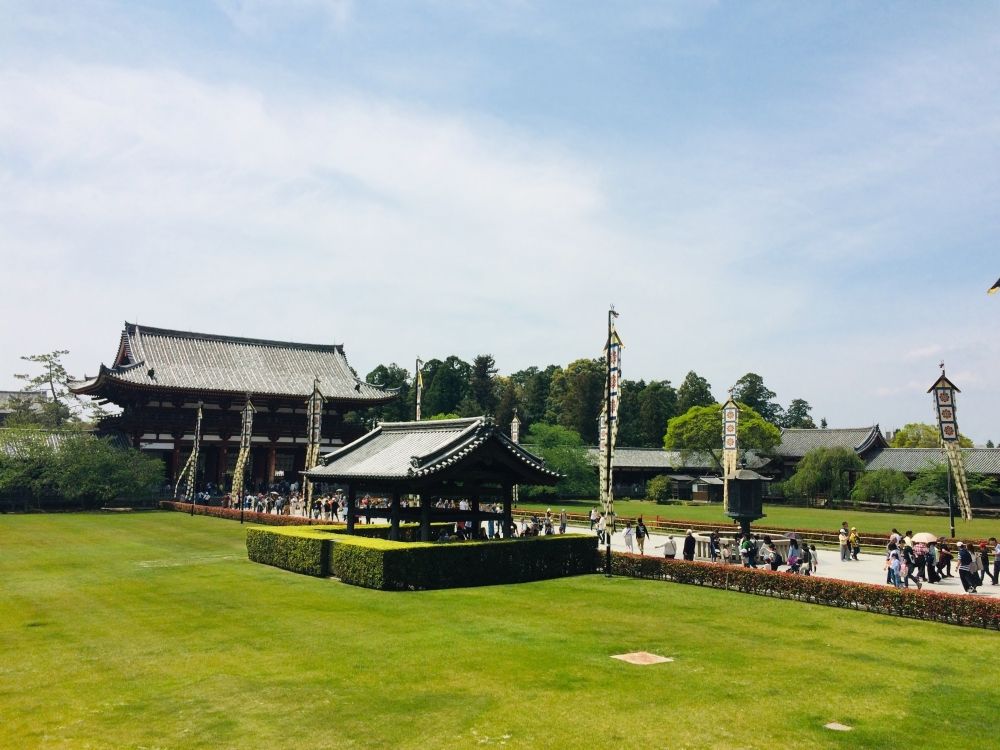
(641, 532)
(563, 519)
(601, 528)
(996, 559)
(984, 566)
(593, 518)
(842, 539)
(805, 561)
(854, 543)
(669, 547)
(944, 559)
(893, 565)
(628, 536)
(910, 569)
(689, 543)
(965, 574)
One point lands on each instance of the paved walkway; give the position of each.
(867, 569)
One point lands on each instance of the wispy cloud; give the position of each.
(258, 16)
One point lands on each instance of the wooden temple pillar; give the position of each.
(175, 460)
(272, 456)
(351, 497)
(220, 470)
(394, 517)
(508, 518)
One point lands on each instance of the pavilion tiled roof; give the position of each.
(413, 450)
(796, 442)
(669, 461)
(913, 460)
(160, 358)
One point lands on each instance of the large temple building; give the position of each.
(160, 377)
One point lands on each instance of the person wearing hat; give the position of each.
(842, 538)
(965, 574)
(689, 545)
(854, 543)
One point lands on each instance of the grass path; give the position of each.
(153, 630)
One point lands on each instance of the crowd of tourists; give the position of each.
(908, 560)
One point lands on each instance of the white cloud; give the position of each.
(258, 16)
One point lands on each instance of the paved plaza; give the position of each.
(868, 569)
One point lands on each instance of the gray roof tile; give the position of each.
(796, 442)
(163, 358)
(412, 450)
(913, 460)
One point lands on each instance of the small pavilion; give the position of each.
(470, 459)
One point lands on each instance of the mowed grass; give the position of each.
(784, 516)
(154, 631)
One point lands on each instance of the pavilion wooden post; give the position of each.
(477, 519)
(394, 520)
(350, 508)
(425, 518)
(508, 520)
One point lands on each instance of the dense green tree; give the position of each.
(797, 415)
(694, 391)
(510, 399)
(822, 423)
(989, 444)
(483, 385)
(880, 486)
(657, 406)
(576, 396)
(750, 390)
(563, 451)
(629, 427)
(448, 386)
(76, 466)
(535, 386)
(658, 489)
(700, 429)
(401, 408)
(824, 471)
(932, 483)
(60, 406)
(921, 435)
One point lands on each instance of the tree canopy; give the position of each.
(694, 391)
(750, 390)
(922, 435)
(880, 486)
(700, 429)
(797, 415)
(824, 471)
(564, 452)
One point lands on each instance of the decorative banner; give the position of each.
(246, 436)
(191, 467)
(730, 445)
(420, 385)
(608, 425)
(944, 406)
(314, 421)
(515, 435)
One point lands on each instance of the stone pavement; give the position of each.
(867, 569)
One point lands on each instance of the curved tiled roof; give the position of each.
(913, 460)
(160, 358)
(667, 461)
(796, 442)
(414, 450)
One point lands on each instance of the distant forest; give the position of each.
(569, 396)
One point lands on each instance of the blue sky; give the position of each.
(804, 190)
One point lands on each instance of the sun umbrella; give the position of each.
(925, 536)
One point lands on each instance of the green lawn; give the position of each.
(153, 630)
(784, 516)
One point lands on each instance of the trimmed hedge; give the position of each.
(233, 514)
(299, 550)
(955, 609)
(396, 566)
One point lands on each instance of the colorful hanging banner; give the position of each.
(419, 383)
(608, 424)
(314, 421)
(730, 445)
(944, 407)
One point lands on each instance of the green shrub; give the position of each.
(658, 489)
(301, 549)
(400, 566)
